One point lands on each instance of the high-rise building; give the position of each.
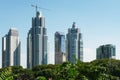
(74, 44)
(106, 51)
(60, 55)
(11, 49)
(37, 41)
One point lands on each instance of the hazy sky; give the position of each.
(98, 20)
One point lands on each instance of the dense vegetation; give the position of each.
(106, 69)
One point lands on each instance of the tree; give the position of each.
(41, 78)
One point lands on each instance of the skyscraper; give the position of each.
(74, 44)
(106, 51)
(11, 49)
(60, 55)
(37, 41)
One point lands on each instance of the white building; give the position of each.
(11, 49)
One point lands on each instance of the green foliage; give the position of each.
(25, 74)
(48, 71)
(6, 73)
(105, 69)
(41, 78)
(67, 71)
(15, 73)
(112, 66)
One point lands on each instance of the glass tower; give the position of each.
(37, 41)
(106, 51)
(60, 55)
(74, 44)
(11, 49)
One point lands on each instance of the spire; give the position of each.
(73, 26)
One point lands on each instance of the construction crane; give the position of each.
(39, 7)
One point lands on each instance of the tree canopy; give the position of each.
(105, 69)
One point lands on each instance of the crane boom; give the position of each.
(39, 7)
(35, 7)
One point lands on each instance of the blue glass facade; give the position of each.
(37, 42)
(59, 48)
(74, 44)
(106, 51)
(60, 42)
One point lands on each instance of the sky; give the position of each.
(98, 20)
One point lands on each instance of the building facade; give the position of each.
(74, 44)
(106, 51)
(37, 40)
(11, 49)
(60, 55)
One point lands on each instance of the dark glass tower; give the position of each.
(74, 44)
(60, 55)
(37, 41)
(106, 51)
